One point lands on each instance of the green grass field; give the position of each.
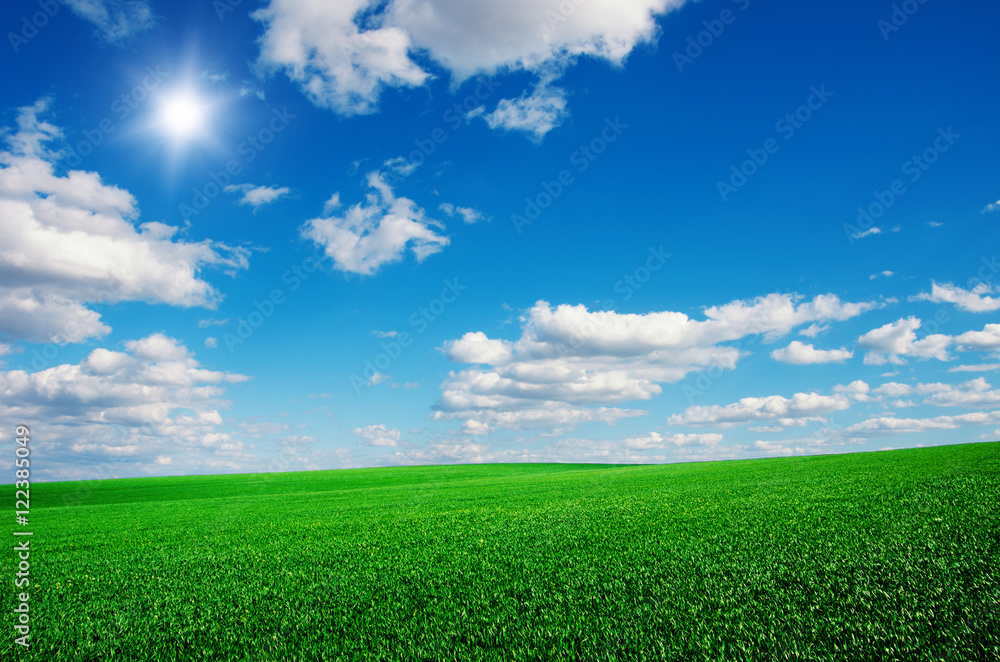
(890, 556)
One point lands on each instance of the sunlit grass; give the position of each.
(888, 555)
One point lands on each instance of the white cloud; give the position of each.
(657, 441)
(572, 365)
(211, 343)
(249, 88)
(114, 20)
(72, 240)
(377, 378)
(153, 397)
(798, 353)
(814, 330)
(376, 232)
(892, 342)
(344, 54)
(888, 425)
(401, 166)
(536, 113)
(988, 338)
(861, 234)
(893, 389)
(978, 367)
(338, 64)
(257, 196)
(885, 274)
(332, 203)
(973, 393)
(799, 409)
(772, 448)
(564, 450)
(856, 390)
(976, 300)
(377, 435)
(468, 214)
(475, 347)
(993, 206)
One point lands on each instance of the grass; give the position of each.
(891, 556)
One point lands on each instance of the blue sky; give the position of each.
(282, 235)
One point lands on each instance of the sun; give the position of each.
(182, 115)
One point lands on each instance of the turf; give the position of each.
(890, 556)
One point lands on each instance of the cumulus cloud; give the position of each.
(73, 240)
(657, 441)
(114, 20)
(138, 403)
(343, 55)
(973, 393)
(536, 113)
(987, 339)
(856, 390)
(476, 347)
(798, 353)
(572, 365)
(976, 300)
(801, 408)
(813, 330)
(893, 342)
(977, 367)
(376, 435)
(889, 425)
(257, 196)
(376, 232)
(565, 450)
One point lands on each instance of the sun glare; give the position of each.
(182, 115)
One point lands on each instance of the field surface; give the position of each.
(890, 556)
